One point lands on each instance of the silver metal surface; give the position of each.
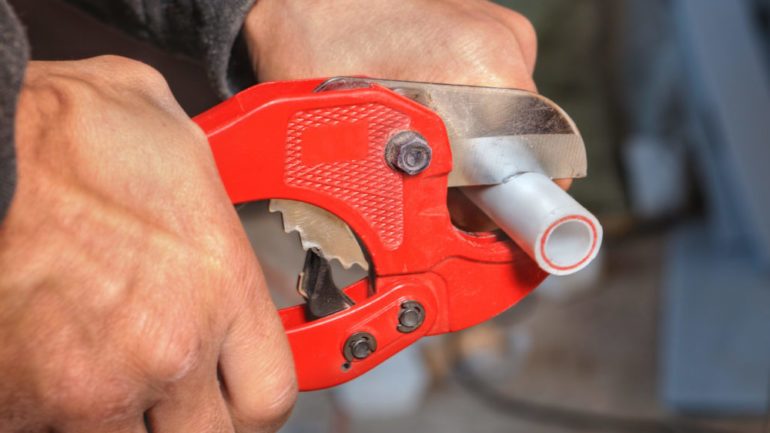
(494, 133)
(322, 230)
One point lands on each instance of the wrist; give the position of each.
(254, 22)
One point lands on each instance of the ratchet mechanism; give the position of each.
(361, 168)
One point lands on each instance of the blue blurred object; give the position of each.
(716, 344)
(729, 103)
(716, 332)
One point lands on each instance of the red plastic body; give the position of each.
(283, 140)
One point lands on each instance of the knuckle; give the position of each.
(130, 67)
(169, 355)
(230, 257)
(521, 30)
(521, 24)
(505, 31)
(520, 21)
(148, 76)
(493, 48)
(124, 71)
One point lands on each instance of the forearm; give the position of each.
(207, 30)
(14, 54)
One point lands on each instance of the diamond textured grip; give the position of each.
(353, 168)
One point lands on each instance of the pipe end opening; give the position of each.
(569, 245)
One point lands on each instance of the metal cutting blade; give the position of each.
(321, 230)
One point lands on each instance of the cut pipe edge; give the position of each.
(560, 234)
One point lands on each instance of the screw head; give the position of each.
(411, 316)
(408, 151)
(359, 346)
(361, 349)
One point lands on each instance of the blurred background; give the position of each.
(669, 331)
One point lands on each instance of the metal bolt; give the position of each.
(410, 317)
(409, 152)
(359, 346)
(361, 349)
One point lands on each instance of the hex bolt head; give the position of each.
(359, 346)
(409, 152)
(361, 349)
(411, 316)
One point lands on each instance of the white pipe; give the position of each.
(546, 222)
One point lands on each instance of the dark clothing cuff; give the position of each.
(14, 54)
(207, 30)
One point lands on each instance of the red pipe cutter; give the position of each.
(378, 155)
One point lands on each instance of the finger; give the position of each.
(256, 362)
(194, 405)
(564, 184)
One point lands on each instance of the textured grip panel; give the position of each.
(360, 178)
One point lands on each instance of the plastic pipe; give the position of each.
(546, 222)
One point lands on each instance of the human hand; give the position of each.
(472, 42)
(128, 290)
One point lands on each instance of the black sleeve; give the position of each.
(207, 30)
(14, 54)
